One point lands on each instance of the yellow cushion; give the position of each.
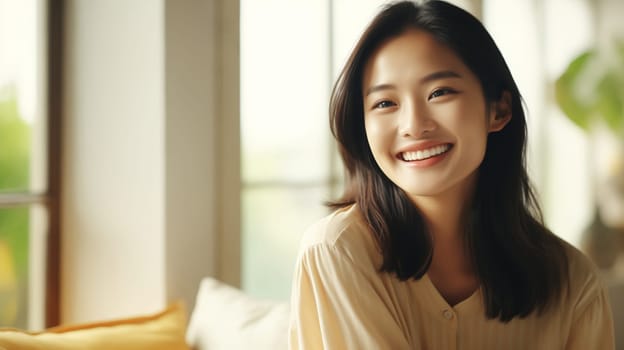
(165, 330)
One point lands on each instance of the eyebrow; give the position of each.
(444, 74)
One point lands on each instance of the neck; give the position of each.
(444, 212)
(444, 216)
(451, 270)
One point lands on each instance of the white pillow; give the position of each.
(225, 318)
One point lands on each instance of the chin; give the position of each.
(420, 191)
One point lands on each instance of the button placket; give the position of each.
(449, 316)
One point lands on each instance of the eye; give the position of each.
(441, 92)
(384, 104)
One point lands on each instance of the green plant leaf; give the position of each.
(578, 109)
(609, 103)
(619, 48)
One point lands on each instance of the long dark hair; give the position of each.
(521, 265)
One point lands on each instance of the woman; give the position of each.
(437, 242)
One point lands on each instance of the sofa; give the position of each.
(223, 317)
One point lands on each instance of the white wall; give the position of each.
(113, 143)
(140, 213)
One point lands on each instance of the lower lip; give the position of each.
(427, 162)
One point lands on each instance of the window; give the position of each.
(25, 187)
(286, 150)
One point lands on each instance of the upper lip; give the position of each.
(420, 146)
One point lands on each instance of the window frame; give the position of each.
(55, 10)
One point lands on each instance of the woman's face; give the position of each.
(425, 115)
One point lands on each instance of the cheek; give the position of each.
(380, 140)
(475, 140)
(470, 120)
(470, 127)
(375, 133)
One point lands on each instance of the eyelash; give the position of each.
(444, 91)
(379, 104)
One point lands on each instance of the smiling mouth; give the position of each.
(425, 153)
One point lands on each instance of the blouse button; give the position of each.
(448, 314)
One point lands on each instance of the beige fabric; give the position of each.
(340, 301)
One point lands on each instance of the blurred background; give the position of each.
(145, 144)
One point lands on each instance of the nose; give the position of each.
(414, 121)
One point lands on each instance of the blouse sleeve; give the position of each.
(338, 305)
(593, 328)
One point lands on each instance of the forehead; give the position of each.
(413, 53)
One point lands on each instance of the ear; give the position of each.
(500, 113)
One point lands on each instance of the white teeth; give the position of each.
(424, 154)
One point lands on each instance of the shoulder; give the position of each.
(584, 278)
(586, 310)
(344, 232)
(331, 228)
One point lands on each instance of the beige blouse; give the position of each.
(341, 301)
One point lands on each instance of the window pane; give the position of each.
(14, 242)
(22, 266)
(284, 90)
(14, 146)
(22, 140)
(23, 163)
(273, 221)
